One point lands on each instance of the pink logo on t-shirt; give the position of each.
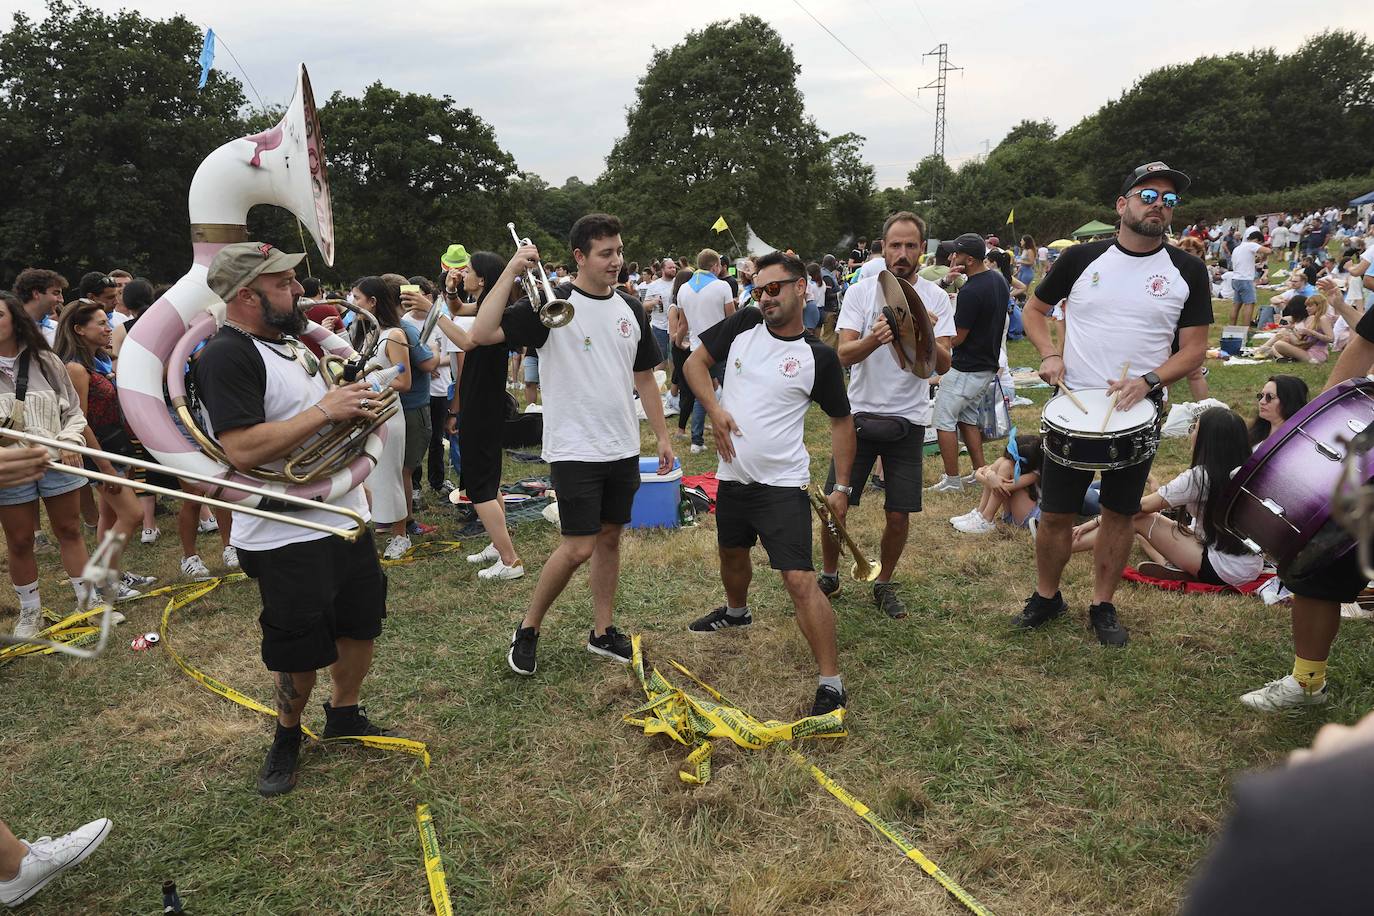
(623, 326)
(790, 367)
(1157, 285)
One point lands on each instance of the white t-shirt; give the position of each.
(1043, 255)
(661, 289)
(815, 292)
(769, 384)
(117, 318)
(878, 384)
(703, 300)
(1124, 307)
(1278, 238)
(442, 376)
(586, 373)
(872, 267)
(1189, 489)
(1243, 260)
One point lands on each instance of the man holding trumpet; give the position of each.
(323, 598)
(773, 371)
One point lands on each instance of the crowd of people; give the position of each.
(745, 346)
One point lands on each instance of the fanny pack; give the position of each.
(881, 427)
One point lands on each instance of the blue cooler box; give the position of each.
(656, 501)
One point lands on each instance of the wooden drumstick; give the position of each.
(1073, 398)
(1111, 408)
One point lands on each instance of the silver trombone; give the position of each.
(552, 311)
(102, 569)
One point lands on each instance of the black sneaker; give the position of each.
(719, 619)
(876, 483)
(886, 600)
(613, 644)
(521, 655)
(1102, 621)
(351, 722)
(278, 775)
(828, 699)
(830, 584)
(1039, 610)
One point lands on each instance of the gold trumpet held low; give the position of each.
(862, 570)
(552, 311)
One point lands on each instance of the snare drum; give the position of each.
(1279, 501)
(1077, 440)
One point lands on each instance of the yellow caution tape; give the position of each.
(423, 551)
(65, 630)
(908, 848)
(434, 862)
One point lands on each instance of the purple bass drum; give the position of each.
(1280, 501)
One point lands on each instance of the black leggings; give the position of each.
(438, 445)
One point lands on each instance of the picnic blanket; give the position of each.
(706, 483)
(1131, 574)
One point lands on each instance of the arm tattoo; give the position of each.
(286, 692)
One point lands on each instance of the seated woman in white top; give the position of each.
(1206, 553)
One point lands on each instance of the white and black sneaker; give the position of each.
(47, 858)
(521, 656)
(720, 619)
(613, 644)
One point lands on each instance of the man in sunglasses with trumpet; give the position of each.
(323, 598)
(1126, 297)
(773, 371)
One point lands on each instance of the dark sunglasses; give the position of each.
(772, 289)
(1266, 397)
(1149, 195)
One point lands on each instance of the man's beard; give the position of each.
(292, 323)
(902, 272)
(1149, 230)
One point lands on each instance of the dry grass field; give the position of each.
(1044, 774)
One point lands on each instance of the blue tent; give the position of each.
(1363, 199)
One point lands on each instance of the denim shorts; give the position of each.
(958, 398)
(52, 483)
(661, 338)
(1243, 292)
(531, 365)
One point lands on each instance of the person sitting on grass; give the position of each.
(1009, 488)
(1207, 553)
(1280, 398)
(1308, 340)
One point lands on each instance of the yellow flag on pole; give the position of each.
(1011, 217)
(719, 224)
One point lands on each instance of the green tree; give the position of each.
(101, 129)
(930, 175)
(718, 127)
(851, 207)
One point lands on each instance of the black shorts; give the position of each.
(314, 592)
(679, 360)
(593, 493)
(779, 516)
(1206, 574)
(901, 470)
(1339, 581)
(1062, 489)
(479, 444)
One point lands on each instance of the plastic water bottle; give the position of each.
(381, 379)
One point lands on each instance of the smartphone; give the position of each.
(410, 288)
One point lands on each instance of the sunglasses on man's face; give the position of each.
(1265, 397)
(772, 289)
(1148, 196)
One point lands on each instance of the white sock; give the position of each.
(28, 596)
(736, 611)
(79, 586)
(832, 682)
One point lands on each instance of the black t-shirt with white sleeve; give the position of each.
(586, 372)
(769, 384)
(981, 307)
(1124, 307)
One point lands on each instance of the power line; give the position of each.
(855, 55)
(924, 19)
(249, 79)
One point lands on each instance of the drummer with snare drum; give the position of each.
(1126, 298)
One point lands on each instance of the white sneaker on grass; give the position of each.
(500, 570)
(948, 484)
(975, 524)
(230, 557)
(150, 535)
(396, 547)
(47, 858)
(207, 525)
(30, 622)
(969, 479)
(489, 554)
(955, 519)
(193, 567)
(1285, 693)
(697, 449)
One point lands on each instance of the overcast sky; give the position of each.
(554, 79)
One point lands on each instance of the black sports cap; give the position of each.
(1156, 170)
(971, 244)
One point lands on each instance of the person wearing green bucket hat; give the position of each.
(454, 261)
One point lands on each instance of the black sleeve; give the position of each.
(828, 391)
(1198, 309)
(647, 355)
(717, 338)
(1365, 328)
(231, 382)
(1066, 270)
(522, 327)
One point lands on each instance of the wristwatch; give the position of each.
(841, 488)
(1153, 380)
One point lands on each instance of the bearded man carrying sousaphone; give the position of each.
(323, 598)
(894, 330)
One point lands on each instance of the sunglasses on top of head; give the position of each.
(1148, 196)
(772, 289)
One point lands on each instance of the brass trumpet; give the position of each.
(862, 570)
(552, 311)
